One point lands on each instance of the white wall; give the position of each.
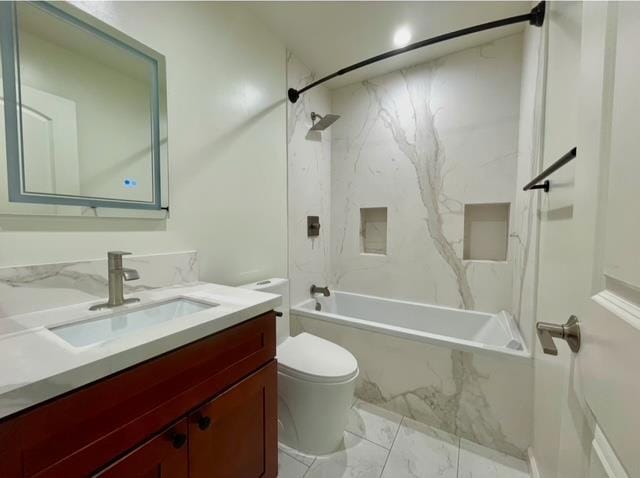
(309, 157)
(227, 150)
(523, 248)
(423, 141)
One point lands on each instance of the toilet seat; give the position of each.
(314, 359)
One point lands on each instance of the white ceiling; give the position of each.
(327, 36)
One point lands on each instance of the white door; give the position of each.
(586, 418)
(50, 143)
(608, 222)
(49, 129)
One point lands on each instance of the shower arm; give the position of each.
(535, 17)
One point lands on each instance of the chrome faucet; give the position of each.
(320, 290)
(117, 276)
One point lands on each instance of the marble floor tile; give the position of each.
(373, 423)
(421, 451)
(357, 458)
(289, 467)
(477, 461)
(298, 455)
(417, 450)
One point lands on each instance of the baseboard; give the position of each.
(601, 450)
(533, 465)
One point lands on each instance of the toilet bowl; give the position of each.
(316, 381)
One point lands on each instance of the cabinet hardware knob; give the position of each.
(204, 422)
(178, 439)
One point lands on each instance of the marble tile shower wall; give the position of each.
(423, 141)
(30, 288)
(309, 159)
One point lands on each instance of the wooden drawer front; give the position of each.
(238, 437)
(164, 456)
(76, 434)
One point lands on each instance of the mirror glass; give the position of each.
(85, 123)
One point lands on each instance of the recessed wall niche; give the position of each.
(373, 230)
(486, 231)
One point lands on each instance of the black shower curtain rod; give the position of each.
(535, 17)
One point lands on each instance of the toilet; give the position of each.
(316, 381)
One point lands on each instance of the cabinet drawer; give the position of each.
(76, 434)
(164, 456)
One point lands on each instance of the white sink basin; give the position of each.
(108, 327)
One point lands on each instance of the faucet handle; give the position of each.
(130, 274)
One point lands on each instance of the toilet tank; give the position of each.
(280, 287)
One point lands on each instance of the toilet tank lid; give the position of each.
(273, 285)
(316, 358)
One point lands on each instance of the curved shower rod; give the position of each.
(535, 17)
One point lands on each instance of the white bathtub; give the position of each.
(453, 328)
(464, 372)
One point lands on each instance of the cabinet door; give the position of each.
(235, 435)
(164, 456)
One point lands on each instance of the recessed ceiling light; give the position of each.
(402, 37)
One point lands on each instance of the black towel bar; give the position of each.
(533, 184)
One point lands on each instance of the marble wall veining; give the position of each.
(485, 398)
(309, 159)
(423, 141)
(30, 288)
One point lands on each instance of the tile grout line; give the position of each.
(309, 468)
(459, 453)
(388, 450)
(294, 458)
(372, 442)
(392, 444)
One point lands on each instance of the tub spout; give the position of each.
(320, 290)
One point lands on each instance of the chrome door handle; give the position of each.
(570, 332)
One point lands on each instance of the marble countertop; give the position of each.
(36, 364)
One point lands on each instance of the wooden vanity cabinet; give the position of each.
(207, 409)
(166, 455)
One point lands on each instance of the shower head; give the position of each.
(324, 123)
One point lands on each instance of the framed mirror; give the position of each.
(84, 120)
